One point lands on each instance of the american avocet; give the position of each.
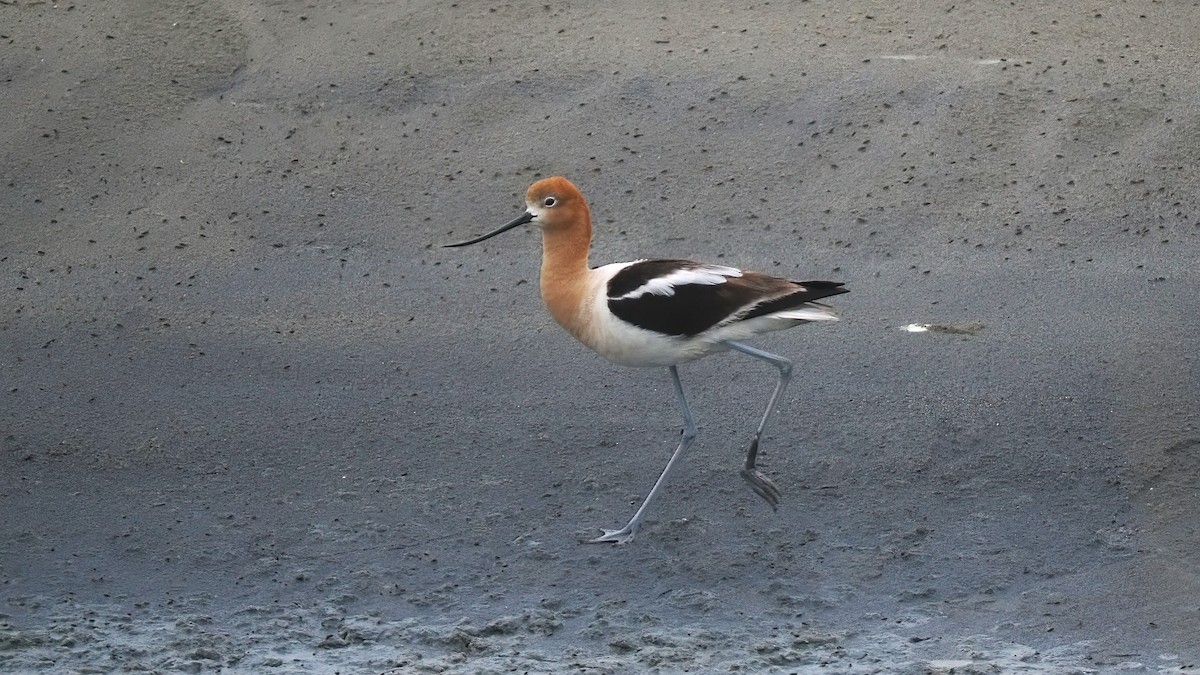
(661, 313)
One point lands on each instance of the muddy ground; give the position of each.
(256, 420)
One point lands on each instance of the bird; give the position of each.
(662, 313)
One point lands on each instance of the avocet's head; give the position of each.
(553, 204)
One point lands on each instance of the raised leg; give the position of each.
(764, 487)
(625, 534)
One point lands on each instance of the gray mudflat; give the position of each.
(255, 420)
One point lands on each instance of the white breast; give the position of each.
(628, 345)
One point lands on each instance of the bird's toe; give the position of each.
(763, 487)
(621, 536)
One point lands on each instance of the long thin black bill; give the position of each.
(524, 218)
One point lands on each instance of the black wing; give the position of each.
(692, 308)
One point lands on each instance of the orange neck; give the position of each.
(565, 270)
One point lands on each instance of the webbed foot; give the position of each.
(764, 487)
(621, 536)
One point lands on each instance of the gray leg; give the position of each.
(764, 487)
(625, 534)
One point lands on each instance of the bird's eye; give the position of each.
(549, 201)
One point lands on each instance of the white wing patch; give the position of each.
(702, 275)
(812, 313)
